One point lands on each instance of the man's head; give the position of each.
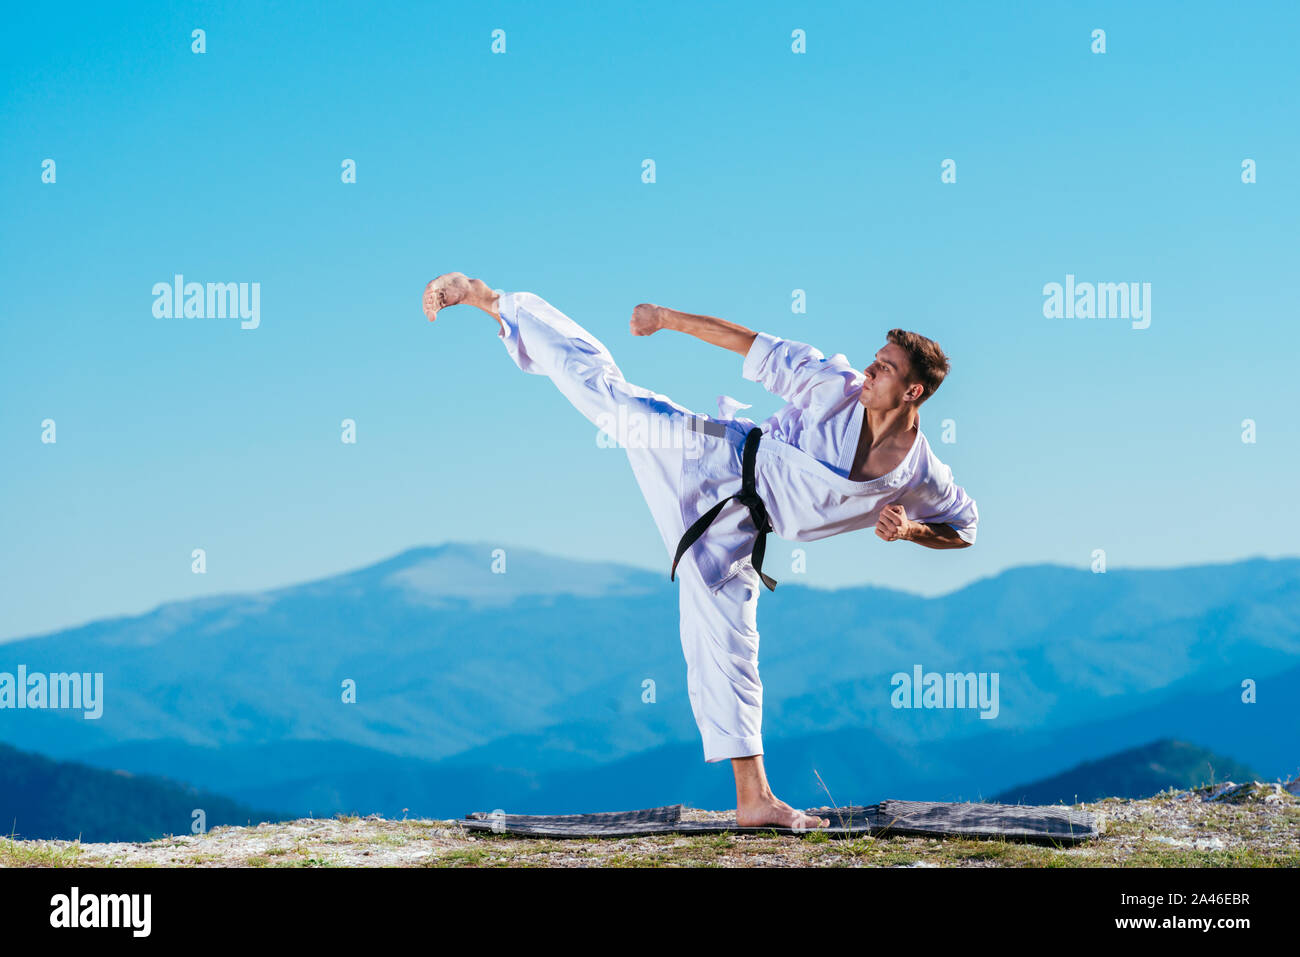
(908, 368)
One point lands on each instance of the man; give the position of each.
(846, 452)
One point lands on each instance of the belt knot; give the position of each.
(747, 496)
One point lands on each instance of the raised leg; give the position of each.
(542, 340)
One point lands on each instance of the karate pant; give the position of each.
(719, 629)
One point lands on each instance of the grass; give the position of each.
(28, 854)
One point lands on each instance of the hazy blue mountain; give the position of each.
(40, 798)
(862, 765)
(1264, 735)
(1136, 773)
(533, 683)
(435, 674)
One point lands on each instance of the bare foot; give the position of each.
(448, 289)
(453, 288)
(772, 811)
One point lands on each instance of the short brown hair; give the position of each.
(926, 362)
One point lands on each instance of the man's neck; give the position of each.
(893, 426)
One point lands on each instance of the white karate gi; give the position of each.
(686, 462)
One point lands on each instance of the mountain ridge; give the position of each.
(539, 681)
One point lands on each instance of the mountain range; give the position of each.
(554, 685)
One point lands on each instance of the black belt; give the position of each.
(748, 497)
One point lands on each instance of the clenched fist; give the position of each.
(893, 524)
(646, 319)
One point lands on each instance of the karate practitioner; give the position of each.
(846, 452)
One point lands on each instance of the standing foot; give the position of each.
(772, 811)
(757, 806)
(454, 288)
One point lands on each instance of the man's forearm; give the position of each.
(719, 332)
(935, 536)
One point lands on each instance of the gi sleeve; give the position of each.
(946, 503)
(797, 372)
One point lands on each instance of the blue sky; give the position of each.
(775, 172)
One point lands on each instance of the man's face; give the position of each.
(886, 379)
